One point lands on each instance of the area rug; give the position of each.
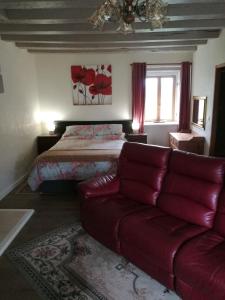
(68, 264)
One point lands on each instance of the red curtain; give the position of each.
(138, 94)
(185, 98)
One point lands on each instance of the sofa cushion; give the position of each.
(101, 217)
(187, 292)
(157, 235)
(201, 264)
(99, 186)
(192, 187)
(142, 169)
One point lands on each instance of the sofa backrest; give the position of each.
(219, 225)
(191, 188)
(142, 169)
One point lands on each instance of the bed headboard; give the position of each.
(60, 126)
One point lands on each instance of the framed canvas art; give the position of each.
(92, 85)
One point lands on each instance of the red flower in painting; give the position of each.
(102, 85)
(109, 69)
(83, 75)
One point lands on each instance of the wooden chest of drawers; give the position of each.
(190, 142)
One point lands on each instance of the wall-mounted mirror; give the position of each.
(199, 111)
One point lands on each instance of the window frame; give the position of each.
(160, 72)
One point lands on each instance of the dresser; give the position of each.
(190, 142)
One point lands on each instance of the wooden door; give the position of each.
(217, 144)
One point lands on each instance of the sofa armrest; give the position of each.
(100, 186)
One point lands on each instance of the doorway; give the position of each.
(217, 144)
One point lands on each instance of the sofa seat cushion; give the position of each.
(101, 217)
(201, 264)
(157, 235)
(187, 292)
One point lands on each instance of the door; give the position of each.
(217, 145)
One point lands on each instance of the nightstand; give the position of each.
(45, 142)
(137, 137)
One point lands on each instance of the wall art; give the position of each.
(92, 85)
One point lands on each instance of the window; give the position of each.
(162, 94)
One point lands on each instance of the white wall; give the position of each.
(55, 89)
(204, 61)
(18, 109)
(158, 134)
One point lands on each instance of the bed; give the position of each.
(85, 150)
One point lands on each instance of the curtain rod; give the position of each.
(164, 64)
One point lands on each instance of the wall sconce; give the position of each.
(135, 126)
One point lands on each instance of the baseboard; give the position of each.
(12, 186)
(15, 226)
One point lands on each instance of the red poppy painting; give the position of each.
(92, 85)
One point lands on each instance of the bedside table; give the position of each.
(45, 142)
(137, 137)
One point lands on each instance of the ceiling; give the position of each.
(61, 26)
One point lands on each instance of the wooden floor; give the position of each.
(51, 211)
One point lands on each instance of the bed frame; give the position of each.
(60, 126)
(68, 186)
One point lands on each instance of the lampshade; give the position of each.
(50, 126)
(135, 126)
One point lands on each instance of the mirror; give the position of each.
(199, 111)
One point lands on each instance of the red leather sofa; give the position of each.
(164, 211)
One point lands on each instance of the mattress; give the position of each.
(75, 158)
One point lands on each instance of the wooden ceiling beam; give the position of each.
(3, 16)
(193, 9)
(111, 45)
(75, 28)
(34, 4)
(40, 14)
(157, 49)
(81, 20)
(190, 9)
(116, 37)
(69, 4)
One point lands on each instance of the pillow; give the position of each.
(79, 130)
(110, 137)
(78, 137)
(107, 129)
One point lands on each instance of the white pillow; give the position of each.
(107, 129)
(79, 130)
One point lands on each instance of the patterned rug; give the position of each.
(67, 264)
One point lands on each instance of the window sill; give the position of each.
(160, 123)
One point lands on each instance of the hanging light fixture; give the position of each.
(124, 12)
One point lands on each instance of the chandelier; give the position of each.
(125, 12)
